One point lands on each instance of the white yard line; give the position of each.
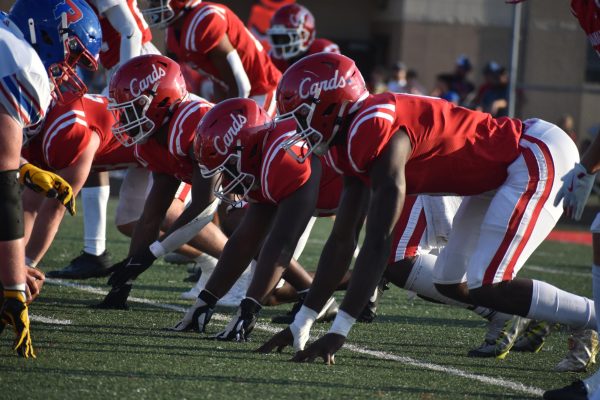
(48, 320)
(504, 383)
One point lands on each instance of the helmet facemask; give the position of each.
(133, 125)
(158, 13)
(232, 185)
(287, 43)
(68, 86)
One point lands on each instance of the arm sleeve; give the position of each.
(122, 20)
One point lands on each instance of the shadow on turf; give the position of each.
(227, 379)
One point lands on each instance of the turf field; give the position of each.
(415, 350)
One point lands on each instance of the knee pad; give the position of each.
(11, 206)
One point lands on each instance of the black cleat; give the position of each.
(84, 266)
(116, 299)
(369, 313)
(575, 391)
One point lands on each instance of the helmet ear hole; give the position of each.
(46, 38)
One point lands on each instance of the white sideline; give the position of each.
(48, 320)
(504, 383)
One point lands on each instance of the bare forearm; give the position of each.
(44, 229)
(274, 258)
(333, 265)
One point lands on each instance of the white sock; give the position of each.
(592, 383)
(551, 304)
(95, 202)
(420, 280)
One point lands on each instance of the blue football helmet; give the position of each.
(65, 34)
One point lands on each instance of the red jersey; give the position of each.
(67, 132)
(317, 46)
(454, 150)
(175, 158)
(588, 14)
(111, 38)
(281, 175)
(204, 27)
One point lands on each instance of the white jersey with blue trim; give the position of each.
(24, 85)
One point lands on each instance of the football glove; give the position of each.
(116, 299)
(14, 312)
(575, 190)
(198, 316)
(241, 325)
(126, 271)
(48, 183)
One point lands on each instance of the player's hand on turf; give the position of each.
(325, 348)
(279, 341)
(116, 299)
(241, 325)
(126, 271)
(196, 318)
(14, 312)
(35, 281)
(575, 190)
(48, 183)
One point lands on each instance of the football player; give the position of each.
(73, 140)
(397, 144)
(292, 35)
(159, 118)
(214, 40)
(125, 35)
(38, 40)
(238, 140)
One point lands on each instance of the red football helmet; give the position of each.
(319, 91)
(160, 13)
(141, 96)
(292, 31)
(229, 141)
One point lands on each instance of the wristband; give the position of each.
(304, 319)
(342, 323)
(157, 249)
(30, 263)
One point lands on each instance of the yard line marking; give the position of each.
(49, 320)
(557, 271)
(516, 386)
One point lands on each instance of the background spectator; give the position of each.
(444, 90)
(397, 82)
(459, 82)
(377, 83)
(413, 86)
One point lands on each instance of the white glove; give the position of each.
(196, 318)
(300, 328)
(575, 190)
(241, 325)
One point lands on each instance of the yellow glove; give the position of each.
(52, 185)
(14, 312)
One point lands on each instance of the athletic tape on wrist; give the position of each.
(342, 323)
(157, 249)
(30, 263)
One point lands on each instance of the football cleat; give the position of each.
(575, 391)
(583, 347)
(534, 337)
(500, 347)
(84, 266)
(370, 311)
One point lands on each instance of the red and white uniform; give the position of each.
(175, 159)
(281, 175)
(204, 27)
(111, 38)
(509, 169)
(67, 131)
(588, 14)
(317, 46)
